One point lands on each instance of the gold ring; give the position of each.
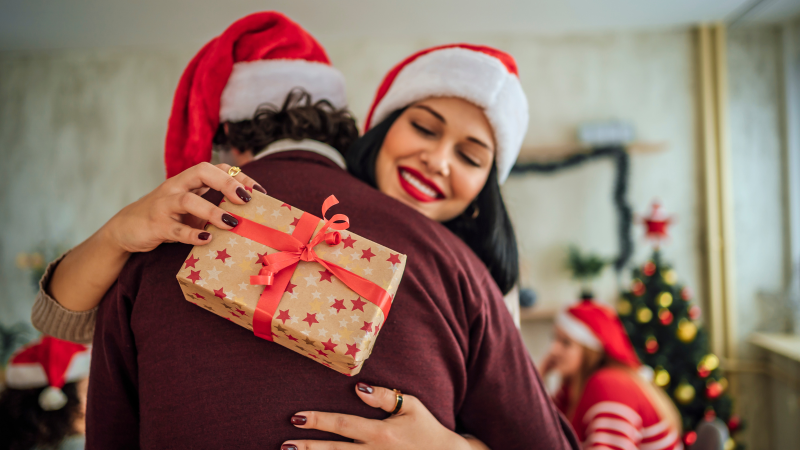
(398, 402)
(233, 171)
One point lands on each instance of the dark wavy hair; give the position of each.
(25, 425)
(485, 226)
(298, 118)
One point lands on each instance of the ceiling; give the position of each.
(48, 24)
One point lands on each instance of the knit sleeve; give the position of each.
(49, 317)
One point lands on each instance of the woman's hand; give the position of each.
(172, 212)
(176, 212)
(413, 427)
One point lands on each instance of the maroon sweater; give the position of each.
(167, 374)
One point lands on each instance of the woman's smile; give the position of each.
(417, 186)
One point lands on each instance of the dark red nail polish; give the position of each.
(288, 447)
(259, 188)
(230, 220)
(204, 236)
(364, 387)
(243, 194)
(299, 420)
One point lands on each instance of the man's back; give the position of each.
(167, 374)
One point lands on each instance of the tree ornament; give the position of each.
(684, 393)
(665, 299)
(730, 444)
(686, 293)
(656, 224)
(649, 268)
(624, 307)
(713, 390)
(651, 345)
(665, 316)
(644, 314)
(689, 438)
(686, 331)
(637, 287)
(670, 277)
(662, 377)
(694, 312)
(734, 423)
(724, 383)
(710, 414)
(702, 371)
(710, 361)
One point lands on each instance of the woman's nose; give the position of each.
(437, 160)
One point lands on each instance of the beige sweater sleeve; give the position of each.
(49, 317)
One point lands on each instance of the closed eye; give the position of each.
(469, 160)
(422, 130)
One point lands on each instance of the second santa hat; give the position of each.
(482, 75)
(258, 59)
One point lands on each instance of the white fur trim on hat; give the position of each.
(254, 83)
(577, 330)
(473, 76)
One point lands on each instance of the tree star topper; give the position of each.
(656, 224)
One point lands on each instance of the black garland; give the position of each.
(624, 213)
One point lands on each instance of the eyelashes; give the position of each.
(429, 134)
(422, 130)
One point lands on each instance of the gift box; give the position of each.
(297, 280)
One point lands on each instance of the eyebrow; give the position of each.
(439, 116)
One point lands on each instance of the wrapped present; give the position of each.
(297, 280)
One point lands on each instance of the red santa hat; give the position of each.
(51, 363)
(598, 327)
(482, 75)
(259, 59)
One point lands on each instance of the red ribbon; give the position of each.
(292, 250)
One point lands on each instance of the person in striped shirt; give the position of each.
(605, 391)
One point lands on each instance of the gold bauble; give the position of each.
(665, 299)
(644, 315)
(624, 307)
(687, 330)
(670, 277)
(661, 377)
(709, 362)
(724, 383)
(730, 444)
(684, 393)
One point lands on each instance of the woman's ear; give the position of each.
(225, 127)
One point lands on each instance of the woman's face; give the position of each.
(436, 157)
(567, 354)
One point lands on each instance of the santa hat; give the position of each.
(598, 327)
(51, 363)
(484, 76)
(259, 59)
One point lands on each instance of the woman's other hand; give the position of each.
(176, 212)
(413, 427)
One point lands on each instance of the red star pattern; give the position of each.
(290, 287)
(287, 205)
(242, 313)
(322, 353)
(199, 296)
(191, 262)
(195, 276)
(260, 259)
(219, 293)
(394, 259)
(234, 314)
(338, 305)
(367, 327)
(348, 242)
(352, 349)
(223, 254)
(295, 221)
(329, 346)
(311, 319)
(291, 337)
(358, 304)
(367, 254)
(324, 275)
(284, 315)
(312, 355)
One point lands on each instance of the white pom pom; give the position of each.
(646, 372)
(52, 399)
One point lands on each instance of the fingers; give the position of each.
(319, 445)
(352, 427)
(206, 175)
(189, 203)
(385, 399)
(188, 235)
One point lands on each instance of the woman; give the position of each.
(604, 391)
(44, 404)
(439, 156)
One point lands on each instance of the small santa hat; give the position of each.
(482, 75)
(259, 59)
(598, 327)
(51, 363)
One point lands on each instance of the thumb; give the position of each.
(385, 399)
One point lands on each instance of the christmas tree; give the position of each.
(661, 318)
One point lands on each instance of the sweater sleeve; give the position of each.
(49, 317)
(607, 413)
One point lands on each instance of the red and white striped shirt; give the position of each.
(614, 413)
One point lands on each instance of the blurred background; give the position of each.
(692, 104)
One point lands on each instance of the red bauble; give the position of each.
(686, 294)
(734, 423)
(649, 268)
(637, 287)
(694, 312)
(665, 317)
(689, 438)
(710, 414)
(651, 345)
(713, 390)
(703, 372)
